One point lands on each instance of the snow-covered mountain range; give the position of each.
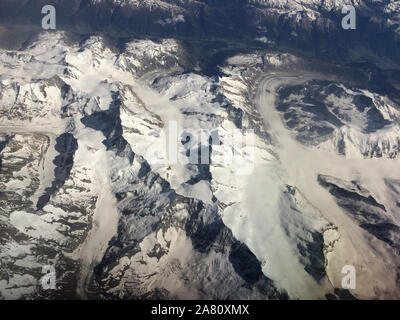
(313, 185)
(311, 26)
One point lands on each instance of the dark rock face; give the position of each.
(322, 110)
(363, 207)
(109, 123)
(309, 117)
(66, 145)
(313, 253)
(3, 144)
